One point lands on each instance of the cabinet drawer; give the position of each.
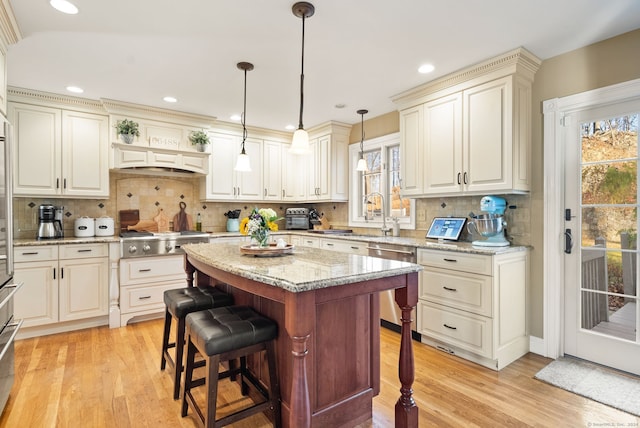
(35, 253)
(310, 242)
(473, 263)
(83, 251)
(460, 290)
(351, 247)
(456, 328)
(145, 297)
(152, 269)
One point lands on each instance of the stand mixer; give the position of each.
(490, 225)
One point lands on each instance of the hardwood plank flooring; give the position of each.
(103, 377)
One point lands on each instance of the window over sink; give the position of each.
(381, 183)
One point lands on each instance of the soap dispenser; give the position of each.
(396, 227)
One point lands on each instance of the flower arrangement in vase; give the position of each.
(258, 225)
(127, 129)
(200, 139)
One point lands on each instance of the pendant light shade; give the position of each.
(362, 163)
(300, 143)
(243, 164)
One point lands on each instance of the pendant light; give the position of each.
(300, 143)
(243, 164)
(362, 163)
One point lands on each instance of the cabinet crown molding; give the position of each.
(122, 108)
(9, 30)
(32, 96)
(518, 61)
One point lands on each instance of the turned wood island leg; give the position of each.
(406, 414)
(299, 322)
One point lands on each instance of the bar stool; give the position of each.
(179, 303)
(225, 334)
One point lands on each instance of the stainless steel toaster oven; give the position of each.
(297, 218)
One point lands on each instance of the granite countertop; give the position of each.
(65, 241)
(303, 270)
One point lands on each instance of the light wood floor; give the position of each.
(103, 377)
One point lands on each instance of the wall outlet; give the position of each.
(421, 215)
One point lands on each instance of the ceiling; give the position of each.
(358, 53)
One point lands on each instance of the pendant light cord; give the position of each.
(244, 112)
(300, 126)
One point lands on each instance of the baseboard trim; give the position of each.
(537, 346)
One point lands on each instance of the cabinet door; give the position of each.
(38, 150)
(294, 178)
(85, 162)
(272, 177)
(83, 288)
(37, 300)
(220, 182)
(487, 120)
(411, 150)
(313, 170)
(442, 169)
(3, 78)
(250, 183)
(324, 167)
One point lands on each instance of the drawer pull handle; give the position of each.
(451, 260)
(449, 288)
(30, 253)
(449, 327)
(355, 248)
(329, 244)
(84, 251)
(144, 270)
(144, 297)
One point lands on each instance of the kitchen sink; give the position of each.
(332, 231)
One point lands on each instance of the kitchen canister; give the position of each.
(104, 226)
(84, 227)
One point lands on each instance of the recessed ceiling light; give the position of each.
(290, 127)
(426, 68)
(236, 117)
(170, 99)
(340, 105)
(64, 6)
(75, 89)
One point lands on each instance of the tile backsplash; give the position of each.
(150, 194)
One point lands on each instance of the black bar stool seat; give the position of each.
(180, 302)
(225, 334)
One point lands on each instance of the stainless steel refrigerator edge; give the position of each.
(8, 325)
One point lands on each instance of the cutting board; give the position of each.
(144, 226)
(182, 220)
(162, 220)
(128, 218)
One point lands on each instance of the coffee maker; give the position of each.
(50, 222)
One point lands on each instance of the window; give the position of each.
(376, 192)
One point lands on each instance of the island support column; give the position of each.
(299, 322)
(406, 408)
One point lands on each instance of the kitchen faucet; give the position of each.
(385, 230)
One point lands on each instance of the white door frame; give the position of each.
(554, 111)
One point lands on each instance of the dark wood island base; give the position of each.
(328, 345)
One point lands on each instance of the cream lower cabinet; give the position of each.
(61, 283)
(143, 282)
(344, 246)
(305, 241)
(474, 306)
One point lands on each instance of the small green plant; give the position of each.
(126, 126)
(199, 137)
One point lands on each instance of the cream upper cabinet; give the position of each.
(223, 182)
(272, 173)
(327, 165)
(59, 153)
(294, 177)
(411, 142)
(470, 132)
(3, 78)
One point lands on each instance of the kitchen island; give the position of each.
(326, 305)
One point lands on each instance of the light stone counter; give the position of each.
(65, 241)
(303, 270)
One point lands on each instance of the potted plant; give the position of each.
(127, 129)
(200, 139)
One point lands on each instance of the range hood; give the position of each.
(158, 161)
